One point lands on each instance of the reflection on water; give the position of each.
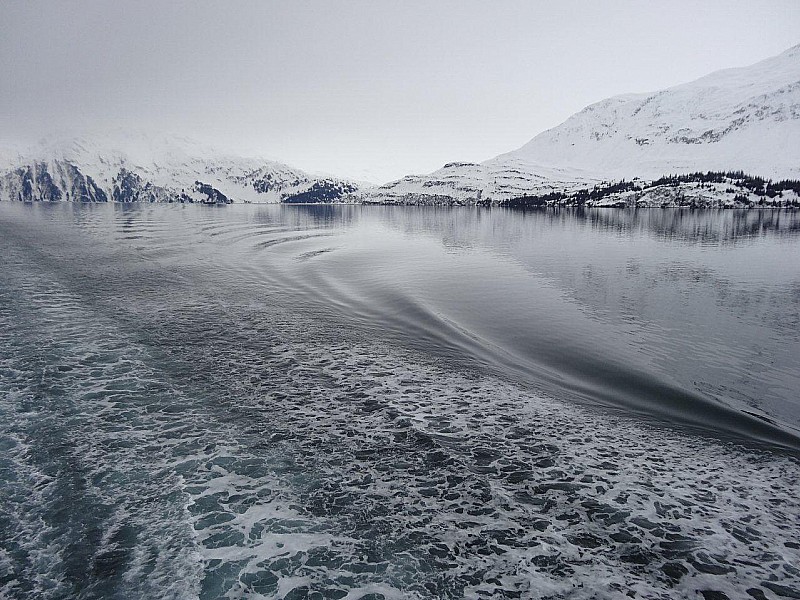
(707, 226)
(316, 401)
(693, 304)
(694, 226)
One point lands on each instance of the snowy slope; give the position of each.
(736, 119)
(469, 183)
(134, 167)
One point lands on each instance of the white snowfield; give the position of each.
(744, 119)
(159, 168)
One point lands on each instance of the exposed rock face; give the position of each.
(130, 187)
(156, 170)
(213, 196)
(40, 181)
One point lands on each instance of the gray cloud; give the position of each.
(375, 88)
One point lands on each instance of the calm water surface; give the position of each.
(398, 402)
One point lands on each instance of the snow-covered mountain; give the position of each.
(745, 119)
(135, 167)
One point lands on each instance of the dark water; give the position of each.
(366, 402)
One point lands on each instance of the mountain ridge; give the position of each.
(137, 167)
(741, 118)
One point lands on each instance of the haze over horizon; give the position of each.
(365, 90)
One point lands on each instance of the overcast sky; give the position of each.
(361, 88)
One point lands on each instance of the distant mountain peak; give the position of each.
(727, 119)
(744, 118)
(132, 166)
